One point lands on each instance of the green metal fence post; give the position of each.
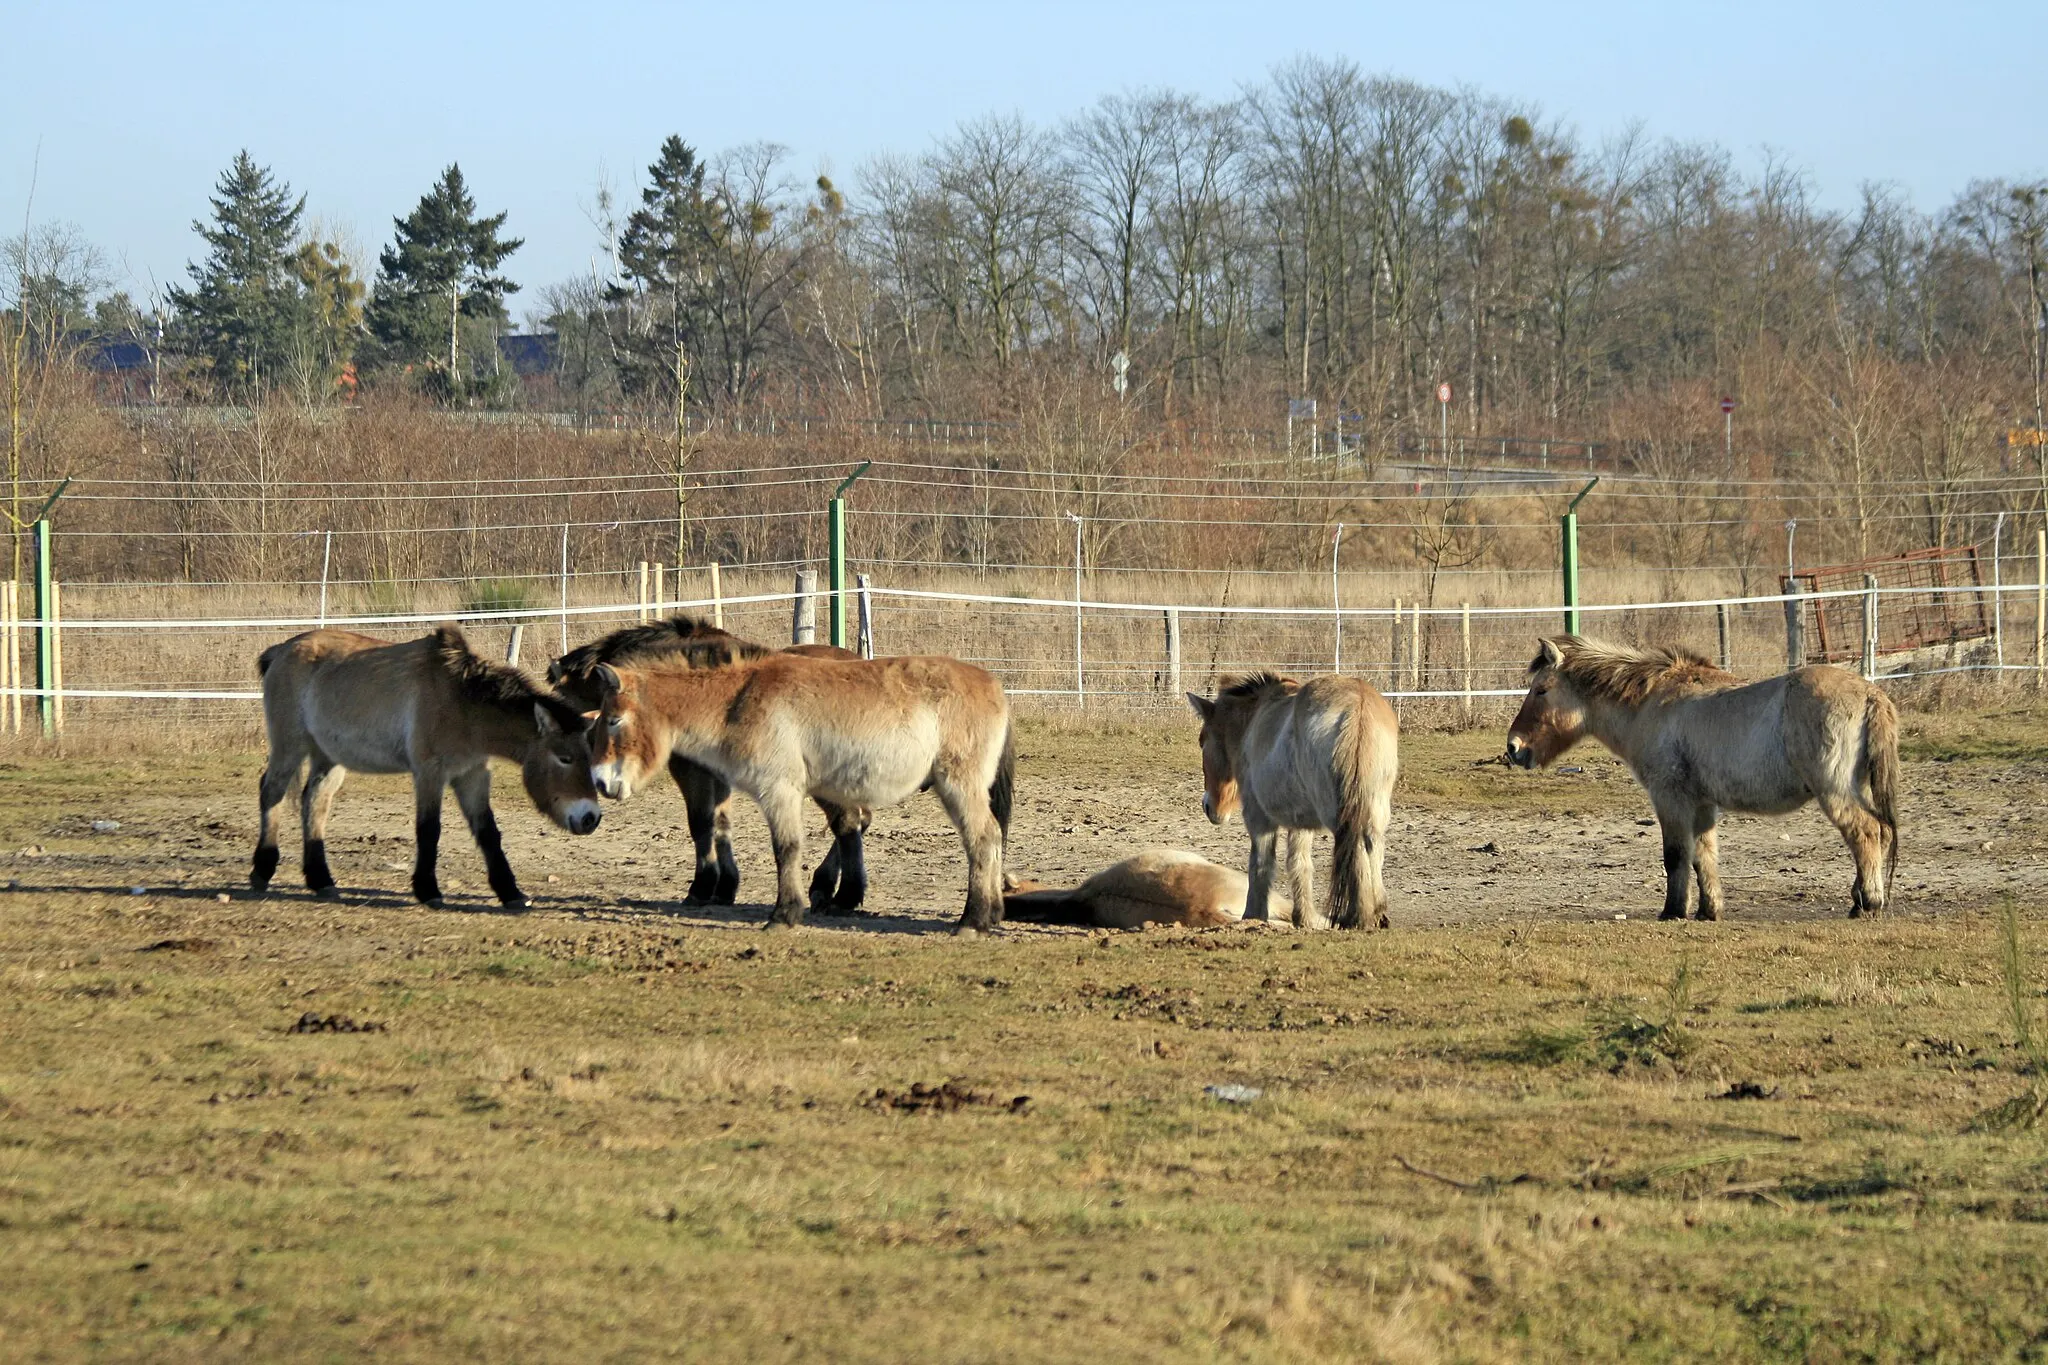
(1570, 527)
(835, 552)
(46, 635)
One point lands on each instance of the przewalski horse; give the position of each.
(430, 707)
(1702, 741)
(1303, 756)
(853, 732)
(1153, 886)
(841, 881)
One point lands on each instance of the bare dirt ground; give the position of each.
(1472, 842)
(616, 1128)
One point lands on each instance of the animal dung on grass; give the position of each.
(943, 1098)
(314, 1022)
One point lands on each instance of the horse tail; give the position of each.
(1881, 758)
(271, 656)
(1349, 875)
(1002, 793)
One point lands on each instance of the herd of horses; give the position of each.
(815, 723)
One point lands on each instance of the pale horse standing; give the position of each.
(1303, 756)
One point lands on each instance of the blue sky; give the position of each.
(136, 108)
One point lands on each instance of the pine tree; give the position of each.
(441, 268)
(240, 315)
(667, 256)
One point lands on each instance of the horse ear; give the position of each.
(608, 679)
(545, 720)
(1548, 654)
(1203, 706)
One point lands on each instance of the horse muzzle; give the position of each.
(1520, 755)
(582, 817)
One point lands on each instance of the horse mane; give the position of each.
(1631, 676)
(690, 638)
(497, 685)
(1251, 684)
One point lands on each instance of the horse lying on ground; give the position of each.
(841, 881)
(1155, 886)
(430, 707)
(1304, 756)
(1702, 741)
(857, 733)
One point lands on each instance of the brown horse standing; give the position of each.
(1304, 756)
(1702, 741)
(853, 732)
(430, 707)
(841, 881)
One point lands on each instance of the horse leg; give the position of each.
(782, 806)
(1259, 866)
(473, 795)
(825, 881)
(853, 859)
(1865, 836)
(1706, 860)
(982, 837)
(1301, 874)
(1678, 843)
(427, 786)
(323, 780)
(271, 790)
(706, 810)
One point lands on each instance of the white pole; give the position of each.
(1997, 594)
(1080, 683)
(565, 587)
(1336, 605)
(326, 559)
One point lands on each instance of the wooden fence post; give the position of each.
(1465, 657)
(717, 598)
(803, 627)
(1721, 624)
(512, 645)
(1415, 648)
(1870, 625)
(1394, 651)
(643, 591)
(661, 588)
(1173, 652)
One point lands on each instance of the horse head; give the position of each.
(557, 769)
(1224, 720)
(1553, 715)
(624, 747)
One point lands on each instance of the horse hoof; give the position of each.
(1708, 915)
(522, 901)
(431, 901)
(329, 892)
(966, 931)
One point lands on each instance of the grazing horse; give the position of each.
(862, 732)
(1154, 886)
(1304, 756)
(430, 707)
(841, 881)
(1702, 741)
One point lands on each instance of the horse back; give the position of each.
(360, 699)
(1304, 750)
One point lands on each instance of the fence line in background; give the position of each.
(1114, 644)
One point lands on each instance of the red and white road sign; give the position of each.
(1443, 393)
(1727, 404)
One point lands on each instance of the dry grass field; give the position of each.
(1517, 1126)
